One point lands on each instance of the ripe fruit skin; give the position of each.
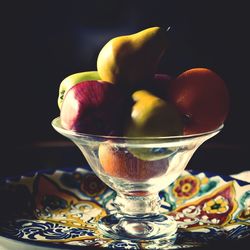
(132, 60)
(93, 107)
(120, 163)
(152, 116)
(202, 97)
(73, 79)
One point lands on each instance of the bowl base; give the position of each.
(139, 228)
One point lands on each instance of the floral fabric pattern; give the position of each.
(186, 187)
(218, 205)
(62, 208)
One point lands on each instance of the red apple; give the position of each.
(202, 97)
(119, 162)
(93, 107)
(160, 80)
(159, 85)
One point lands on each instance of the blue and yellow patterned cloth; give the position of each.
(61, 207)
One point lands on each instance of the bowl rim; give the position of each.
(56, 124)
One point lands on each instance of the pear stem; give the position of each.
(168, 28)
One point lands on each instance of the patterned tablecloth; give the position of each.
(61, 207)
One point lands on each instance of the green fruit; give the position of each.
(152, 117)
(133, 59)
(71, 80)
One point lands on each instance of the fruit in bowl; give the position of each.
(73, 79)
(159, 85)
(121, 163)
(202, 97)
(126, 97)
(131, 125)
(93, 107)
(132, 60)
(152, 116)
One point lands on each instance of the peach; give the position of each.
(120, 163)
(202, 97)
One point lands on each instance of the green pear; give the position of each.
(153, 117)
(133, 59)
(73, 79)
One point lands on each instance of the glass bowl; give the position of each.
(137, 169)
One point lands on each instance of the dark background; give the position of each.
(42, 42)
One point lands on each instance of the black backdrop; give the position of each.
(44, 41)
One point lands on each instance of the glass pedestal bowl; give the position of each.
(137, 169)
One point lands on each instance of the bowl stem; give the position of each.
(138, 217)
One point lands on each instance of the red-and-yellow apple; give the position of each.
(93, 107)
(202, 97)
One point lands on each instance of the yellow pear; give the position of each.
(132, 60)
(152, 117)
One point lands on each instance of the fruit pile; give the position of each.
(126, 97)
